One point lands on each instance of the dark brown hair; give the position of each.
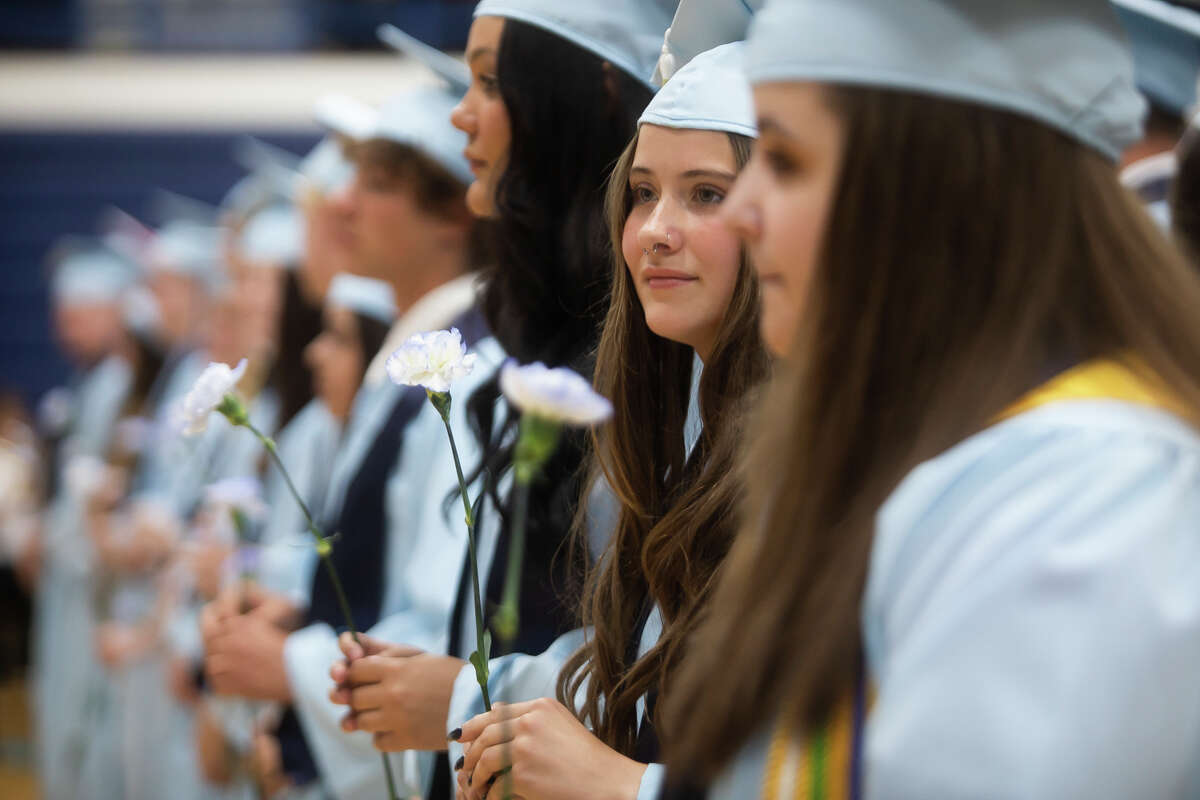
(676, 518)
(435, 190)
(970, 254)
(1184, 196)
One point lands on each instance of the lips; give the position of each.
(662, 278)
(477, 165)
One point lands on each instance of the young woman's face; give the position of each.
(337, 361)
(482, 115)
(780, 204)
(683, 260)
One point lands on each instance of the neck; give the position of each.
(435, 269)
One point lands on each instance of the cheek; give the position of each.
(780, 316)
(630, 248)
(793, 236)
(719, 253)
(494, 133)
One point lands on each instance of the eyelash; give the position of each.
(714, 192)
(489, 84)
(641, 194)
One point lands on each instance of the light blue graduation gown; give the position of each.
(64, 660)
(425, 547)
(307, 446)
(1032, 615)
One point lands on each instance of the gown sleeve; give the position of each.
(1032, 615)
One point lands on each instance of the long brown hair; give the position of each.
(676, 517)
(970, 254)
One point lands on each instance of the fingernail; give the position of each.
(454, 735)
(458, 764)
(469, 777)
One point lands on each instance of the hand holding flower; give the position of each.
(395, 692)
(551, 755)
(243, 656)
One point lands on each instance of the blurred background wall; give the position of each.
(104, 101)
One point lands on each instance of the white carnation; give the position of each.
(210, 389)
(432, 360)
(558, 394)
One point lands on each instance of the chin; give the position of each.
(479, 200)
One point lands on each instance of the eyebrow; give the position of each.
(771, 125)
(691, 173)
(479, 51)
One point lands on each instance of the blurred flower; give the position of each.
(133, 434)
(556, 395)
(242, 494)
(54, 411)
(208, 395)
(432, 360)
(85, 476)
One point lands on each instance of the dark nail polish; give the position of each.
(470, 778)
(458, 764)
(454, 735)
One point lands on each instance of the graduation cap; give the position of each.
(626, 33)
(1062, 62)
(450, 69)
(709, 93)
(1165, 39)
(701, 25)
(419, 118)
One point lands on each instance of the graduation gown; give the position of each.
(1031, 616)
(64, 666)
(425, 540)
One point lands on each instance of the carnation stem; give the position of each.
(480, 645)
(323, 550)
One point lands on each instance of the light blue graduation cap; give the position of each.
(626, 33)
(326, 168)
(186, 247)
(419, 118)
(368, 296)
(1166, 51)
(86, 272)
(249, 193)
(450, 69)
(709, 93)
(140, 312)
(701, 25)
(1061, 62)
(272, 169)
(272, 236)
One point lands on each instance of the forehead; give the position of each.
(668, 151)
(792, 107)
(484, 35)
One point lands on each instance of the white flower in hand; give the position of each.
(432, 360)
(210, 390)
(556, 395)
(237, 494)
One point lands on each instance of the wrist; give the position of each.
(629, 786)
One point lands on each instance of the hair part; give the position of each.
(1000, 252)
(677, 514)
